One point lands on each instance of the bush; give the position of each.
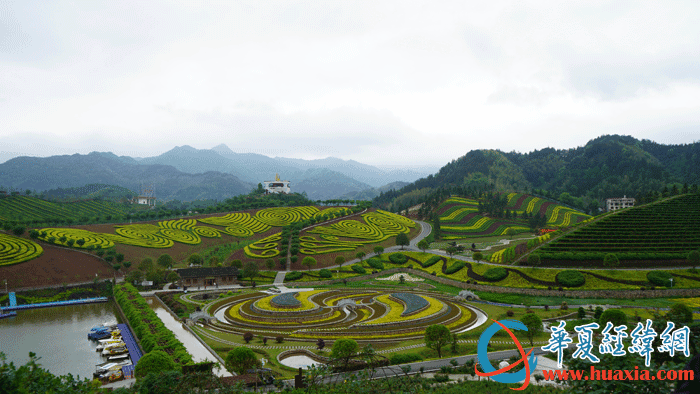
(616, 316)
(598, 312)
(431, 261)
(570, 278)
(155, 361)
(398, 258)
(279, 339)
(405, 358)
(510, 313)
(680, 313)
(359, 269)
(324, 273)
(611, 260)
(455, 267)
(660, 278)
(375, 263)
(495, 274)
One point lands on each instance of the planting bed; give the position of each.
(358, 314)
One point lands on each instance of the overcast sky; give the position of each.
(381, 82)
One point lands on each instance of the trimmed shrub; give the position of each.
(294, 275)
(248, 336)
(398, 258)
(279, 339)
(431, 261)
(611, 260)
(405, 358)
(571, 278)
(495, 274)
(660, 278)
(324, 273)
(376, 263)
(359, 269)
(455, 267)
(616, 316)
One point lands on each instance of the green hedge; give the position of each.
(147, 326)
(359, 269)
(294, 275)
(571, 278)
(398, 258)
(404, 358)
(376, 263)
(495, 274)
(324, 273)
(659, 278)
(455, 267)
(431, 261)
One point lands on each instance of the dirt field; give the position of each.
(54, 267)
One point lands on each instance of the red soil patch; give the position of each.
(54, 267)
(519, 203)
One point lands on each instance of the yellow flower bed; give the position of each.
(691, 302)
(303, 297)
(396, 308)
(234, 313)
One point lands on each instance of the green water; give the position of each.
(58, 335)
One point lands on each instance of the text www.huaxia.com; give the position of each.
(617, 374)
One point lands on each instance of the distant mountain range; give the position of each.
(185, 173)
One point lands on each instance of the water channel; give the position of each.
(192, 344)
(58, 335)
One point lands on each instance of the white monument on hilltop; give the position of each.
(277, 186)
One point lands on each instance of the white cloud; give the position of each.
(378, 82)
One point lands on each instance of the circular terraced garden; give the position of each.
(358, 314)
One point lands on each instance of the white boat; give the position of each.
(119, 357)
(113, 351)
(110, 364)
(109, 345)
(113, 339)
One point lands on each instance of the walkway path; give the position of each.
(279, 278)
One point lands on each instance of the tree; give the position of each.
(214, 261)
(19, 230)
(378, 250)
(270, 264)
(165, 261)
(195, 259)
(154, 361)
(611, 260)
(119, 257)
(80, 242)
(172, 277)
(320, 344)
(437, 336)
(436, 228)
(694, 258)
(343, 350)
(240, 359)
(250, 270)
(478, 256)
(309, 262)
(510, 232)
(237, 263)
(402, 240)
(533, 324)
(423, 245)
(134, 276)
(451, 250)
(680, 314)
(146, 264)
(339, 261)
(127, 264)
(360, 255)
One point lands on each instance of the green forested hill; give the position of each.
(608, 166)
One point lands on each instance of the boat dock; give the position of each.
(14, 307)
(9, 314)
(132, 346)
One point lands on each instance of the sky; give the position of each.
(391, 83)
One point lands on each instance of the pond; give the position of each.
(298, 361)
(58, 335)
(192, 344)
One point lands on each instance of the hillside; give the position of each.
(33, 210)
(608, 166)
(661, 232)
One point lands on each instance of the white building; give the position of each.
(145, 200)
(277, 186)
(613, 204)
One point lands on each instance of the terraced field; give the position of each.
(33, 210)
(667, 230)
(362, 315)
(345, 235)
(459, 217)
(14, 250)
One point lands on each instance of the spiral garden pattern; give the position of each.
(14, 250)
(284, 216)
(362, 315)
